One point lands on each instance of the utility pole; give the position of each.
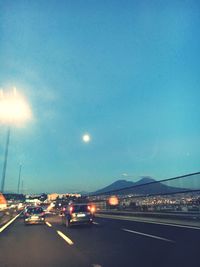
(18, 187)
(5, 161)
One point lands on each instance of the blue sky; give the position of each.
(127, 73)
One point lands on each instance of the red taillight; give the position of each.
(27, 214)
(91, 208)
(71, 210)
(64, 209)
(43, 213)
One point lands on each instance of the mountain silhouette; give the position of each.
(145, 186)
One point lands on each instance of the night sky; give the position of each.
(125, 72)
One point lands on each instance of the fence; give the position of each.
(177, 194)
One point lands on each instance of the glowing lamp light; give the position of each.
(14, 108)
(113, 201)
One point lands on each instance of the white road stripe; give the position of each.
(152, 236)
(96, 223)
(116, 217)
(8, 223)
(48, 224)
(96, 265)
(69, 241)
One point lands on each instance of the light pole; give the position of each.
(18, 187)
(5, 161)
(14, 110)
(22, 190)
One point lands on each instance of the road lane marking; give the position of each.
(96, 265)
(69, 241)
(48, 224)
(148, 235)
(96, 223)
(145, 221)
(8, 223)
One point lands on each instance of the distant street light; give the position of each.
(14, 110)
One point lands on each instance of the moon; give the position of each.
(86, 138)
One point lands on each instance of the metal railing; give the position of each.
(175, 195)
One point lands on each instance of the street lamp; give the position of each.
(5, 161)
(19, 178)
(14, 110)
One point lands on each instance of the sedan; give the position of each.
(34, 215)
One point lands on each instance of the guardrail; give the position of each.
(174, 197)
(165, 215)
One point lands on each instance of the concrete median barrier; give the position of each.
(171, 215)
(192, 218)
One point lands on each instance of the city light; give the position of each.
(14, 108)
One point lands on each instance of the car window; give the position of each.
(35, 210)
(81, 208)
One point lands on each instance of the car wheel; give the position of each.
(67, 223)
(63, 220)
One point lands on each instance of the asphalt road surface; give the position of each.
(107, 243)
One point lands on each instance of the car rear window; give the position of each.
(35, 210)
(81, 208)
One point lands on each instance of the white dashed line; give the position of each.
(96, 265)
(48, 224)
(8, 223)
(96, 223)
(152, 236)
(69, 241)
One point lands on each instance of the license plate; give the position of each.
(34, 217)
(80, 215)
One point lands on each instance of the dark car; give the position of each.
(78, 214)
(34, 215)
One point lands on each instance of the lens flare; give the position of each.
(113, 201)
(14, 108)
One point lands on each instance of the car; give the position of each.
(78, 214)
(63, 210)
(34, 215)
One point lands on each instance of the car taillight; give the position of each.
(71, 210)
(93, 209)
(27, 214)
(64, 209)
(43, 213)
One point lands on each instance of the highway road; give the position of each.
(107, 243)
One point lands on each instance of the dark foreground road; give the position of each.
(108, 243)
